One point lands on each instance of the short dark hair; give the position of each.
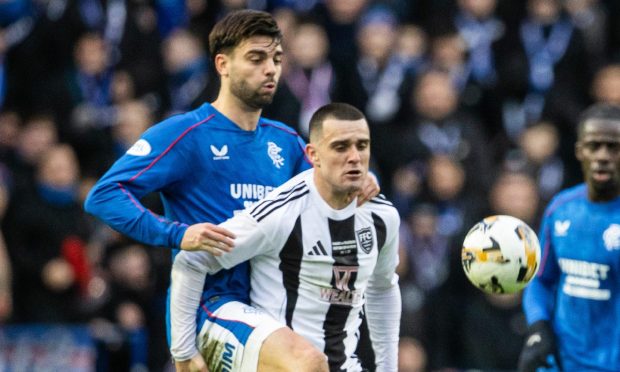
(335, 110)
(598, 111)
(240, 25)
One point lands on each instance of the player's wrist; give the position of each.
(184, 357)
(539, 326)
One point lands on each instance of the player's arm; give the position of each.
(153, 163)
(538, 302)
(188, 276)
(383, 301)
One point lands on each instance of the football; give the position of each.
(500, 254)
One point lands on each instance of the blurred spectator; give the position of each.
(189, 81)
(82, 96)
(424, 264)
(480, 28)
(133, 118)
(457, 207)
(131, 306)
(411, 355)
(340, 17)
(410, 47)
(45, 230)
(482, 31)
(407, 183)
(606, 85)
(545, 69)
(308, 79)
(590, 18)
(515, 194)
(10, 123)
(438, 127)
(37, 136)
(6, 274)
(538, 156)
(374, 85)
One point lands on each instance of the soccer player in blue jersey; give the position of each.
(207, 164)
(573, 304)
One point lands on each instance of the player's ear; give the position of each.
(312, 155)
(578, 151)
(221, 64)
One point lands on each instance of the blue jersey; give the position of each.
(577, 286)
(205, 168)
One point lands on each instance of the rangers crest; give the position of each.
(273, 151)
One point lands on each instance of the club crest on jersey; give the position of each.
(220, 154)
(273, 151)
(611, 237)
(364, 238)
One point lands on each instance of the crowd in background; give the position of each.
(472, 106)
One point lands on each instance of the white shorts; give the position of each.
(231, 336)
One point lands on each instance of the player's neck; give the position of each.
(238, 112)
(602, 196)
(336, 200)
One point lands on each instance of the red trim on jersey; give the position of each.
(134, 201)
(211, 315)
(170, 147)
(142, 209)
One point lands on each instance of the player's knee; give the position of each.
(287, 351)
(311, 360)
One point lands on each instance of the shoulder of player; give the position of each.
(179, 125)
(565, 197)
(283, 200)
(277, 126)
(380, 204)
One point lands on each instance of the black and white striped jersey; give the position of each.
(313, 266)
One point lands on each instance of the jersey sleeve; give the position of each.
(383, 302)
(250, 240)
(154, 162)
(539, 295)
(186, 283)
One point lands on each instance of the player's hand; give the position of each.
(369, 190)
(196, 364)
(539, 344)
(207, 237)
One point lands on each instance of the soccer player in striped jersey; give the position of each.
(207, 164)
(573, 303)
(316, 257)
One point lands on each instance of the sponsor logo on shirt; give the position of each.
(344, 248)
(140, 148)
(561, 227)
(338, 297)
(583, 279)
(364, 237)
(611, 237)
(220, 154)
(273, 151)
(249, 192)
